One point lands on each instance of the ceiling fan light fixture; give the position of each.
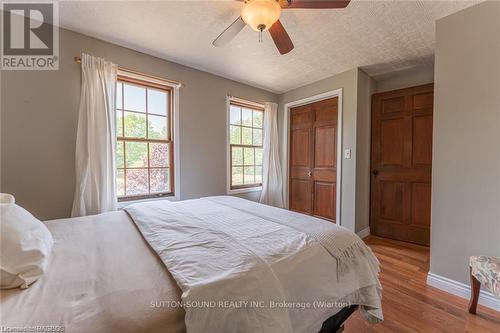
(260, 15)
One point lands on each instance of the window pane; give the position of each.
(119, 123)
(120, 183)
(257, 137)
(249, 175)
(235, 115)
(134, 98)
(249, 156)
(237, 156)
(237, 176)
(258, 118)
(246, 136)
(136, 154)
(137, 181)
(157, 101)
(258, 156)
(158, 154)
(157, 127)
(159, 180)
(258, 175)
(119, 95)
(120, 158)
(135, 125)
(235, 135)
(246, 117)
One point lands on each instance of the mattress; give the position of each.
(102, 277)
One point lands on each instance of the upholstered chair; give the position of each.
(485, 272)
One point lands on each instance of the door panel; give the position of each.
(394, 104)
(324, 200)
(401, 164)
(300, 196)
(313, 158)
(422, 140)
(326, 111)
(392, 141)
(423, 100)
(391, 201)
(300, 148)
(421, 204)
(325, 175)
(325, 150)
(301, 117)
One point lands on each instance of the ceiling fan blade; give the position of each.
(314, 4)
(281, 38)
(227, 35)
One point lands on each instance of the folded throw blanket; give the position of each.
(340, 242)
(246, 267)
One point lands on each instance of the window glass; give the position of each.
(245, 144)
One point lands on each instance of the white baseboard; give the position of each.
(462, 290)
(364, 233)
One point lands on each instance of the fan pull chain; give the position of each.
(261, 28)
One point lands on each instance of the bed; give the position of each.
(162, 267)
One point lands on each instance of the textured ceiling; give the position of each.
(379, 36)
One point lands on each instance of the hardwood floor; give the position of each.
(409, 304)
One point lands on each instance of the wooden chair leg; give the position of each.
(475, 287)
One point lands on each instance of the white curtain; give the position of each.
(272, 184)
(95, 142)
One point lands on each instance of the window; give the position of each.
(144, 147)
(246, 122)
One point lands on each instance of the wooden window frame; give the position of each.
(145, 83)
(254, 107)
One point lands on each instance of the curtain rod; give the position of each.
(180, 84)
(247, 101)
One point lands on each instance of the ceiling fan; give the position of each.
(263, 15)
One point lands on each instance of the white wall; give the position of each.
(366, 87)
(39, 119)
(466, 149)
(405, 79)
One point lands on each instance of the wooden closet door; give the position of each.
(401, 164)
(313, 159)
(301, 156)
(324, 164)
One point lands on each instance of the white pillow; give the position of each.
(6, 198)
(25, 247)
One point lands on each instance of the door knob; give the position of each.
(375, 172)
(310, 173)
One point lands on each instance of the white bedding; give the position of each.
(245, 267)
